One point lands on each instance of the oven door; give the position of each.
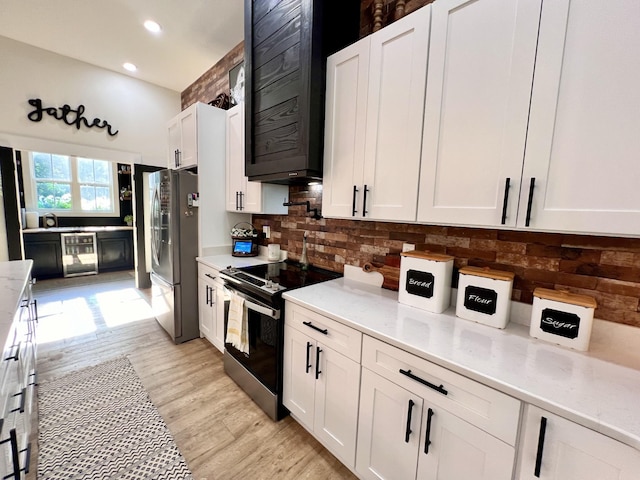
(266, 334)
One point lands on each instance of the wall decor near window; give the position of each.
(68, 115)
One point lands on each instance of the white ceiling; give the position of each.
(107, 33)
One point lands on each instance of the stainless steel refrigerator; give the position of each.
(174, 247)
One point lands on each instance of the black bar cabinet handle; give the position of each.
(27, 460)
(241, 200)
(35, 378)
(34, 304)
(16, 355)
(318, 371)
(364, 201)
(532, 185)
(308, 365)
(353, 205)
(505, 201)
(210, 276)
(424, 382)
(23, 400)
(407, 431)
(427, 434)
(176, 156)
(237, 202)
(13, 439)
(207, 287)
(324, 331)
(543, 431)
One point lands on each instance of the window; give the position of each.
(72, 185)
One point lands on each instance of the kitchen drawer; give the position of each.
(338, 337)
(490, 410)
(209, 274)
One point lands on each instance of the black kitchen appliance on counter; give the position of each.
(259, 373)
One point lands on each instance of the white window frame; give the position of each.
(30, 191)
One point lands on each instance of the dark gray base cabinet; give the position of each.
(45, 251)
(115, 251)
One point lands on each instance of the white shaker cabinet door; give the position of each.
(452, 449)
(206, 312)
(336, 403)
(298, 391)
(583, 143)
(388, 430)
(395, 107)
(345, 124)
(236, 181)
(481, 63)
(563, 450)
(189, 128)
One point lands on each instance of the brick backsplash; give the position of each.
(214, 81)
(606, 268)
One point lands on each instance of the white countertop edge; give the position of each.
(595, 422)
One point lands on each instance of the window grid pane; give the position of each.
(52, 195)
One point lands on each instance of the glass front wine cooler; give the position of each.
(79, 254)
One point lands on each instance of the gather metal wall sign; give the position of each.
(68, 115)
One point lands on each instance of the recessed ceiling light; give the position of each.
(152, 26)
(129, 66)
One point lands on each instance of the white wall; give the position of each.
(137, 109)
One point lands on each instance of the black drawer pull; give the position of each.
(35, 378)
(210, 276)
(505, 201)
(407, 431)
(532, 185)
(541, 435)
(318, 329)
(16, 355)
(318, 371)
(424, 382)
(427, 434)
(308, 365)
(353, 206)
(34, 305)
(23, 400)
(207, 294)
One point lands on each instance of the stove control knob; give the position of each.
(268, 284)
(275, 287)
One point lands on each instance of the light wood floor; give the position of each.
(219, 430)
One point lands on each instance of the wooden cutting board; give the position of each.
(390, 271)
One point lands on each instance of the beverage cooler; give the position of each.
(79, 254)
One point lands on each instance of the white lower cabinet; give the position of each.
(418, 420)
(555, 448)
(211, 305)
(321, 386)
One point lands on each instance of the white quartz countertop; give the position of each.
(220, 262)
(111, 228)
(598, 394)
(13, 279)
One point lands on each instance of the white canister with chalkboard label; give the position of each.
(562, 317)
(425, 280)
(484, 296)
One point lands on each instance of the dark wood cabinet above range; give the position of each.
(286, 46)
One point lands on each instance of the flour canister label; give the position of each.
(484, 296)
(481, 300)
(420, 283)
(562, 317)
(560, 323)
(425, 280)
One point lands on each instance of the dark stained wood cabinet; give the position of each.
(286, 46)
(46, 252)
(115, 250)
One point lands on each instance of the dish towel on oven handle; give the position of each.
(237, 324)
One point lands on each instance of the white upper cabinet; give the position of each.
(183, 138)
(481, 62)
(345, 123)
(372, 146)
(583, 142)
(241, 194)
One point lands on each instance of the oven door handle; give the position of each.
(252, 304)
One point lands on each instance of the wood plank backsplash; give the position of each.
(607, 268)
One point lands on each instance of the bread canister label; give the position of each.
(480, 299)
(560, 323)
(420, 283)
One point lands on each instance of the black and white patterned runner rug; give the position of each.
(99, 423)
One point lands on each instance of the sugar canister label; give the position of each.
(420, 283)
(480, 299)
(563, 324)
